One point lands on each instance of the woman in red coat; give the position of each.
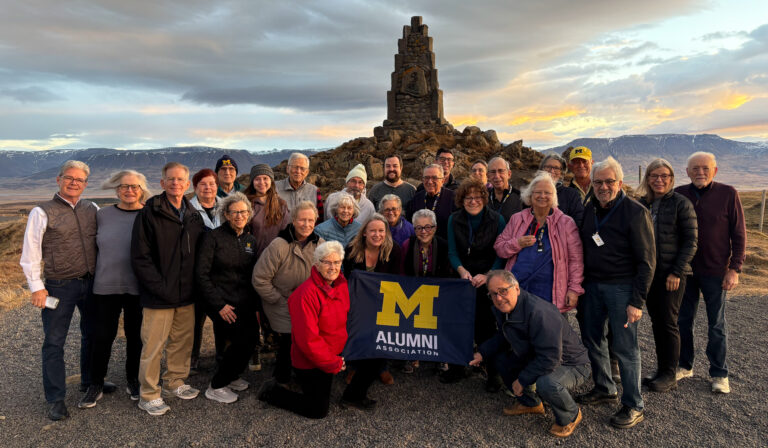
(318, 309)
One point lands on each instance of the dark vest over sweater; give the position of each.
(478, 255)
(69, 242)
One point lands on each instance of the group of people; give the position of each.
(272, 258)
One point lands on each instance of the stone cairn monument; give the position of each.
(415, 103)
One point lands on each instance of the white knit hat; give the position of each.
(358, 171)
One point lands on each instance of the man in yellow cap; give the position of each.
(580, 164)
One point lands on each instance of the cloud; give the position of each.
(32, 94)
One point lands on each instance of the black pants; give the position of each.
(242, 336)
(107, 311)
(315, 398)
(201, 311)
(664, 308)
(282, 372)
(366, 371)
(485, 323)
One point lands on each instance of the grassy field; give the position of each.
(14, 292)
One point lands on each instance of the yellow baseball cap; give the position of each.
(580, 152)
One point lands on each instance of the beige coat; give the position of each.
(281, 268)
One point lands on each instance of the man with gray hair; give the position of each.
(434, 197)
(502, 197)
(619, 262)
(355, 181)
(295, 188)
(716, 265)
(59, 259)
(535, 346)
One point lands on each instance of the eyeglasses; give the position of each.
(553, 169)
(178, 180)
(126, 187)
(473, 199)
(431, 178)
(495, 172)
(331, 264)
(607, 182)
(501, 292)
(428, 228)
(391, 210)
(298, 168)
(442, 159)
(663, 177)
(75, 180)
(238, 213)
(542, 193)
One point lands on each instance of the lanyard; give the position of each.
(539, 234)
(610, 212)
(434, 204)
(424, 261)
(471, 232)
(501, 203)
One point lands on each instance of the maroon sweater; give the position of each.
(722, 230)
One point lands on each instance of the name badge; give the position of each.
(598, 241)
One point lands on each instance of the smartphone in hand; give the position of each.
(51, 302)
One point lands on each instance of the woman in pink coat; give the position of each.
(543, 247)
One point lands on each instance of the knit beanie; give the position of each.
(226, 160)
(358, 171)
(262, 169)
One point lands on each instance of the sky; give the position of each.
(258, 75)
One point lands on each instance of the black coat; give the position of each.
(387, 267)
(441, 266)
(676, 231)
(511, 205)
(163, 253)
(224, 268)
(569, 202)
(445, 206)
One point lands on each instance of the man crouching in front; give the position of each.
(535, 346)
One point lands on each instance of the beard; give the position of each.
(392, 176)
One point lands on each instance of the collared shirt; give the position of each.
(32, 249)
(586, 196)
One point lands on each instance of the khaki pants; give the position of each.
(176, 326)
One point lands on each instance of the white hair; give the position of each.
(327, 248)
(116, 179)
(304, 205)
(390, 197)
(223, 207)
(506, 164)
(701, 154)
(608, 163)
(297, 155)
(344, 198)
(505, 275)
(69, 164)
(425, 213)
(435, 166)
(541, 176)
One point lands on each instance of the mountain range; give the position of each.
(741, 164)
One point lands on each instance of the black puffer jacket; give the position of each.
(163, 253)
(676, 231)
(224, 266)
(569, 202)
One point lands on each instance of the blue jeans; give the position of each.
(605, 304)
(553, 389)
(717, 337)
(72, 293)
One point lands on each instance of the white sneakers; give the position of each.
(154, 407)
(222, 395)
(720, 385)
(683, 373)
(185, 392)
(239, 385)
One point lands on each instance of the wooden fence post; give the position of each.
(762, 212)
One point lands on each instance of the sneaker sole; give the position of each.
(238, 389)
(155, 413)
(168, 394)
(629, 425)
(219, 400)
(82, 405)
(130, 395)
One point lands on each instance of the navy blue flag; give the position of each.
(413, 318)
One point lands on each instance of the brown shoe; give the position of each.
(386, 377)
(567, 430)
(520, 409)
(350, 374)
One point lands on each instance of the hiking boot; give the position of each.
(108, 387)
(720, 385)
(92, 395)
(520, 409)
(364, 404)
(185, 392)
(386, 377)
(595, 396)
(58, 411)
(663, 383)
(133, 389)
(222, 394)
(683, 373)
(567, 430)
(154, 407)
(254, 365)
(238, 385)
(493, 383)
(626, 418)
(615, 372)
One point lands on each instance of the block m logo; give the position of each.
(423, 298)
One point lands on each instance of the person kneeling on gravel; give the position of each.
(535, 346)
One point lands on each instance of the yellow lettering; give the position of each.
(394, 297)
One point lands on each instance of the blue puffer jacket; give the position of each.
(331, 230)
(538, 337)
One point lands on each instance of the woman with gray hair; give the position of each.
(342, 227)
(225, 260)
(676, 233)
(115, 287)
(284, 265)
(391, 207)
(542, 246)
(320, 302)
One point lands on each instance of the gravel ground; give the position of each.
(418, 410)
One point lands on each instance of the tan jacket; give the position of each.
(282, 267)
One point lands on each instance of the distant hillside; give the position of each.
(24, 171)
(742, 164)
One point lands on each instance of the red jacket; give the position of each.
(319, 323)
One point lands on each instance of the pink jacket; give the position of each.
(567, 252)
